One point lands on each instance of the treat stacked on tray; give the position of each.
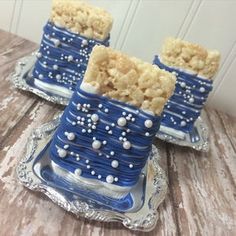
(73, 29)
(194, 68)
(106, 132)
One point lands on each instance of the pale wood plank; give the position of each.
(14, 47)
(203, 185)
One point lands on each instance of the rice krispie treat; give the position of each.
(190, 56)
(104, 139)
(129, 79)
(72, 31)
(194, 67)
(81, 18)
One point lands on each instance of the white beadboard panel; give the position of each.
(212, 100)
(225, 95)
(6, 13)
(33, 16)
(153, 21)
(213, 27)
(119, 10)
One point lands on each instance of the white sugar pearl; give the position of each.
(88, 166)
(114, 163)
(106, 110)
(40, 76)
(92, 172)
(116, 179)
(183, 84)
(191, 100)
(126, 145)
(123, 133)
(83, 130)
(62, 153)
(124, 113)
(121, 121)
(99, 176)
(148, 123)
(104, 142)
(147, 134)
(87, 161)
(71, 136)
(202, 89)
(110, 179)
(57, 42)
(78, 172)
(84, 42)
(55, 67)
(94, 117)
(96, 144)
(100, 106)
(182, 123)
(112, 153)
(109, 132)
(70, 58)
(58, 76)
(131, 166)
(66, 146)
(107, 128)
(39, 54)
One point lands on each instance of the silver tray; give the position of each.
(144, 219)
(197, 139)
(22, 79)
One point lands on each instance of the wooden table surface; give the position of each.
(202, 193)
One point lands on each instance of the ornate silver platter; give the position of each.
(22, 79)
(144, 218)
(197, 139)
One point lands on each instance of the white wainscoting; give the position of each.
(140, 27)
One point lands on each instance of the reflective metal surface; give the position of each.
(143, 219)
(22, 79)
(197, 139)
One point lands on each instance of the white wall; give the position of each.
(141, 25)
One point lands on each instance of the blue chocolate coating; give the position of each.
(63, 56)
(185, 105)
(77, 121)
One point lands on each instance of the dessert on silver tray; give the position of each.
(37, 173)
(59, 65)
(97, 160)
(194, 67)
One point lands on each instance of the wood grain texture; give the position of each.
(202, 192)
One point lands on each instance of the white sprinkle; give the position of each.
(126, 145)
(62, 153)
(88, 166)
(148, 123)
(96, 144)
(131, 166)
(114, 163)
(94, 117)
(121, 121)
(78, 172)
(109, 179)
(92, 172)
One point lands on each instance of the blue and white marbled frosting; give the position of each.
(185, 105)
(62, 59)
(103, 141)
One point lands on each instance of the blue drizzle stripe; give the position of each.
(185, 105)
(99, 160)
(68, 73)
